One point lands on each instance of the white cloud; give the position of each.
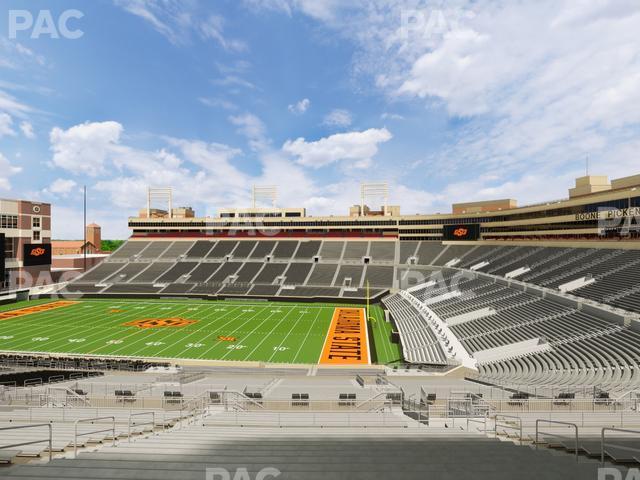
(300, 106)
(253, 128)
(391, 116)
(338, 118)
(85, 148)
(27, 129)
(6, 125)
(6, 171)
(178, 21)
(218, 103)
(233, 81)
(62, 187)
(357, 147)
(320, 9)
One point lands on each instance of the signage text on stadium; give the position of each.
(609, 214)
(347, 340)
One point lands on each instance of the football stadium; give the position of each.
(319, 240)
(494, 330)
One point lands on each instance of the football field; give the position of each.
(205, 330)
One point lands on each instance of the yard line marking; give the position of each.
(98, 331)
(305, 338)
(285, 338)
(156, 332)
(234, 331)
(49, 329)
(206, 324)
(267, 335)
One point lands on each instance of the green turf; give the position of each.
(267, 332)
(386, 351)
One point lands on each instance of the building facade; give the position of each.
(595, 210)
(26, 228)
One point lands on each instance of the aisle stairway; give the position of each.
(311, 453)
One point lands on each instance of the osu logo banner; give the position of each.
(37, 254)
(461, 232)
(160, 322)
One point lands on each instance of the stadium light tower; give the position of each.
(371, 190)
(163, 195)
(264, 192)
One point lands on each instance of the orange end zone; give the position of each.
(35, 309)
(347, 341)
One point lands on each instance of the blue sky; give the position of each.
(446, 101)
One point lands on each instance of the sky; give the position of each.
(445, 101)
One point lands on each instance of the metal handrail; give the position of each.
(613, 429)
(50, 439)
(474, 420)
(83, 420)
(556, 422)
(506, 425)
(152, 423)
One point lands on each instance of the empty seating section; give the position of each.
(378, 276)
(270, 272)
(307, 250)
(225, 270)
(265, 290)
(234, 289)
(244, 249)
(222, 249)
(355, 250)
(132, 288)
(427, 252)
(177, 288)
(349, 275)
(297, 273)
(127, 273)
(99, 273)
(153, 271)
(176, 250)
(129, 249)
(322, 274)
(582, 348)
(285, 249)
(248, 271)
(616, 272)
(382, 251)
(155, 249)
(200, 249)
(202, 272)
(331, 250)
(419, 342)
(263, 248)
(178, 270)
(314, 292)
(452, 252)
(407, 249)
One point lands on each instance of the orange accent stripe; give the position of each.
(35, 309)
(347, 339)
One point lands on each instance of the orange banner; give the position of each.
(347, 341)
(35, 309)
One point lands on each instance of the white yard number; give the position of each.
(39, 339)
(236, 347)
(114, 342)
(280, 349)
(194, 345)
(276, 311)
(247, 310)
(154, 344)
(77, 340)
(6, 337)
